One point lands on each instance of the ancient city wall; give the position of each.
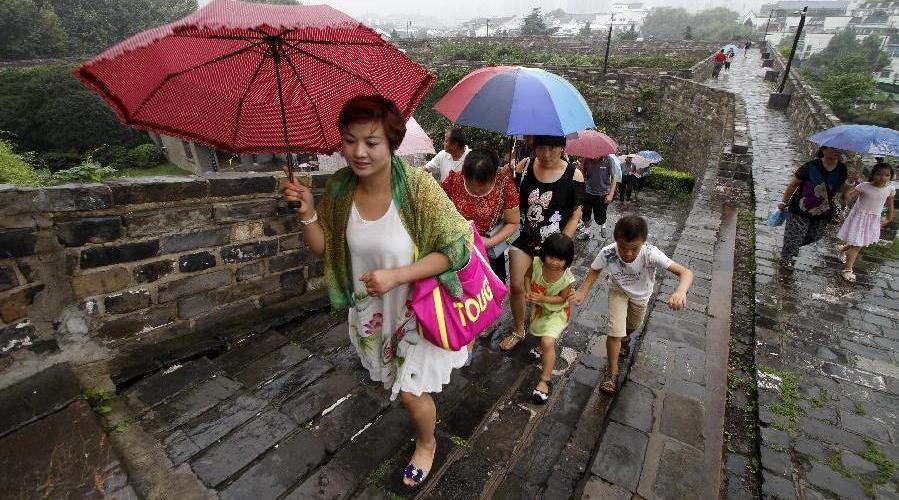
(124, 263)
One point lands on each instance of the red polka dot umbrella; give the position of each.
(247, 77)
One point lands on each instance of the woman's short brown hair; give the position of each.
(377, 109)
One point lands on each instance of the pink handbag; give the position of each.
(451, 323)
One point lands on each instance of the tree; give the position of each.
(844, 90)
(47, 109)
(29, 30)
(629, 35)
(585, 29)
(688, 33)
(844, 54)
(666, 23)
(534, 25)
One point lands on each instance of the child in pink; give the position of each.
(862, 225)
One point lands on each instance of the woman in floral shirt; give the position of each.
(487, 195)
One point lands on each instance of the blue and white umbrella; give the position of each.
(730, 47)
(864, 139)
(652, 156)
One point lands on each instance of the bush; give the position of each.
(671, 181)
(54, 161)
(16, 168)
(110, 155)
(145, 156)
(87, 171)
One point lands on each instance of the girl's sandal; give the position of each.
(539, 397)
(609, 384)
(535, 354)
(848, 275)
(511, 340)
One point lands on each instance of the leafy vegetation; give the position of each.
(672, 23)
(534, 25)
(46, 109)
(31, 29)
(671, 181)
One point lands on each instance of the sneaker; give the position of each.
(583, 233)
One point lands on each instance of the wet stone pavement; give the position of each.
(827, 352)
(290, 413)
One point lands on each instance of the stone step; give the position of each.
(36, 397)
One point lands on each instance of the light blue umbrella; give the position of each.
(729, 47)
(864, 139)
(652, 156)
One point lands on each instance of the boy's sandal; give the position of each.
(609, 384)
(540, 397)
(625, 348)
(848, 275)
(414, 473)
(535, 354)
(511, 340)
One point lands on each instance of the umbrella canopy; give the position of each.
(416, 140)
(515, 100)
(652, 156)
(247, 77)
(864, 139)
(730, 47)
(590, 144)
(638, 161)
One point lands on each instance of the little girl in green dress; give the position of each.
(549, 283)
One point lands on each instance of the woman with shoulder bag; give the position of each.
(373, 219)
(809, 201)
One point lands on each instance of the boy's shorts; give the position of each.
(625, 314)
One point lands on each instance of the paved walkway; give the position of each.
(827, 352)
(288, 412)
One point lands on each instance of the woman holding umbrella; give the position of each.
(551, 193)
(374, 216)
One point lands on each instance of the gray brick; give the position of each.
(619, 459)
(145, 321)
(774, 486)
(680, 418)
(680, 474)
(17, 242)
(249, 251)
(127, 301)
(241, 211)
(240, 184)
(198, 239)
(8, 277)
(73, 198)
(195, 305)
(139, 190)
(152, 271)
(193, 284)
(634, 406)
(77, 232)
(116, 254)
(249, 271)
(240, 448)
(824, 478)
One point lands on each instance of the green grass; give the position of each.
(459, 442)
(873, 454)
(163, 169)
(885, 252)
(789, 398)
(859, 409)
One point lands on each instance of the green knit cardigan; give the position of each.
(430, 218)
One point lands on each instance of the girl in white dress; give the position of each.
(862, 226)
(381, 226)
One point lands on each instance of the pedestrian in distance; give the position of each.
(728, 59)
(599, 186)
(862, 226)
(720, 58)
(630, 264)
(549, 283)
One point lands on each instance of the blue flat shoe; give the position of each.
(415, 474)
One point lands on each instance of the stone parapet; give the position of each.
(90, 270)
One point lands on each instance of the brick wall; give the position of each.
(128, 262)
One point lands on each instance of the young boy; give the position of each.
(631, 264)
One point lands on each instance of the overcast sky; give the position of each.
(467, 9)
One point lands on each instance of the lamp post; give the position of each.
(488, 28)
(770, 13)
(781, 100)
(605, 61)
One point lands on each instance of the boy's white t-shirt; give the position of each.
(638, 278)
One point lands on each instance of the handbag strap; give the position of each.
(502, 201)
